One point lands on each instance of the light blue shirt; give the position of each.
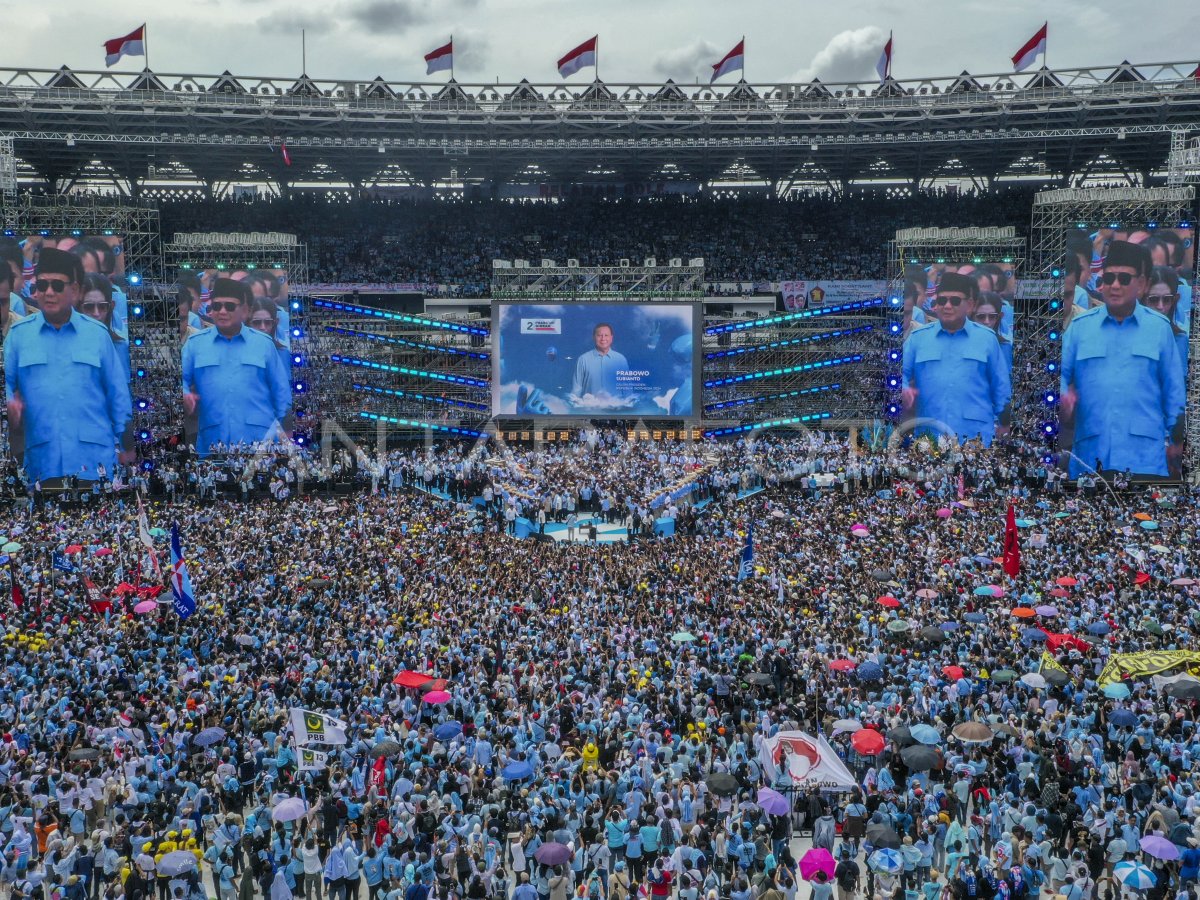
(961, 378)
(120, 313)
(596, 373)
(283, 327)
(76, 394)
(243, 388)
(16, 303)
(1129, 380)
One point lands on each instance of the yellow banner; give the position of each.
(1049, 663)
(1147, 662)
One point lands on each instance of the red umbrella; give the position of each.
(436, 697)
(843, 665)
(74, 548)
(1141, 578)
(867, 742)
(889, 601)
(124, 588)
(1059, 592)
(410, 679)
(1067, 581)
(954, 672)
(104, 551)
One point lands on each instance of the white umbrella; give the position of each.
(176, 863)
(289, 810)
(1033, 680)
(1135, 875)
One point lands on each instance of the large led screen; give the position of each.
(595, 359)
(1123, 371)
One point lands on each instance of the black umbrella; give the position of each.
(933, 633)
(760, 678)
(1142, 792)
(881, 574)
(901, 736)
(920, 758)
(1055, 677)
(1184, 690)
(883, 836)
(722, 784)
(84, 753)
(386, 748)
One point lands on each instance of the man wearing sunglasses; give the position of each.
(233, 378)
(1121, 379)
(68, 397)
(955, 375)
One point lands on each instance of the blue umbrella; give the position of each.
(925, 734)
(209, 736)
(1122, 718)
(983, 560)
(984, 590)
(869, 671)
(949, 626)
(1149, 526)
(1116, 691)
(975, 617)
(1026, 523)
(1042, 504)
(447, 731)
(1033, 635)
(1099, 628)
(517, 771)
(886, 861)
(1062, 515)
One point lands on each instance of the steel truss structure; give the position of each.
(518, 280)
(1057, 212)
(136, 130)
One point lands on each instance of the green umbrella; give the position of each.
(158, 532)
(1003, 675)
(898, 625)
(11, 547)
(1152, 627)
(1061, 515)
(683, 637)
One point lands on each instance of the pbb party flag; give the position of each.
(746, 564)
(181, 583)
(312, 760)
(132, 44)
(580, 58)
(733, 61)
(1028, 54)
(441, 59)
(317, 728)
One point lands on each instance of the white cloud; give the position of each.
(849, 56)
(689, 64)
(471, 51)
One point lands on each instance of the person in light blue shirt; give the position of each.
(1162, 295)
(954, 372)
(989, 312)
(596, 370)
(233, 379)
(1121, 379)
(68, 397)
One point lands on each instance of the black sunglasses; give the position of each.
(58, 285)
(939, 300)
(1124, 277)
(231, 306)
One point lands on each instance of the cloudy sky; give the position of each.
(640, 40)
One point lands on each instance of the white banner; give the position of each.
(317, 728)
(311, 760)
(802, 760)
(799, 295)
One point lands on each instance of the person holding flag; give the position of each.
(181, 582)
(746, 561)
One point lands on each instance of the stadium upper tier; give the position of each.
(144, 128)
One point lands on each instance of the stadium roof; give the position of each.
(139, 128)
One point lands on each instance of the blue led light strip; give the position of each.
(434, 348)
(445, 401)
(747, 401)
(771, 423)
(856, 306)
(399, 317)
(771, 373)
(403, 370)
(428, 426)
(824, 336)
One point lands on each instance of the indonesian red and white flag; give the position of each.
(441, 59)
(580, 58)
(1034, 47)
(1196, 74)
(133, 44)
(884, 66)
(734, 60)
(287, 157)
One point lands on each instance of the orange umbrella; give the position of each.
(1142, 517)
(954, 672)
(1023, 612)
(1067, 581)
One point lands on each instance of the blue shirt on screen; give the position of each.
(76, 394)
(596, 373)
(243, 388)
(283, 328)
(961, 378)
(16, 303)
(1129, 380)
(120, 313)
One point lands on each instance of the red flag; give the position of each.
(18, 595)
(132, 44)
(100, 604)
(581, 57)
(287, 158)
(1012, 546)
(379, 774)
(1196, 74)
(1031, 49)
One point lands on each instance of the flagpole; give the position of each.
(597, 65)
(743, 42)
(146, 43)
(1046, 46)
(451, 57)
(303, 54)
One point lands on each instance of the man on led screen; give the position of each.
(1122, 380)
(954, 371)
(596, 370)
(233, 377)
(68, 394)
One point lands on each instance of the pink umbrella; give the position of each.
(860, 531)
(1183, 582)
(772, 802)
(818, 859)
(146, 606)
(436, 697)
(945, 512)
(927, 593)
(997, 591)
(104, 551)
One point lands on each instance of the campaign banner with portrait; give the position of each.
(798, 295)
(1124, 350)
(957, 352)
(595, 359)
(64, 315)
(794, 759)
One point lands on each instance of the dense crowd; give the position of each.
(538, 720)
(749, 239)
